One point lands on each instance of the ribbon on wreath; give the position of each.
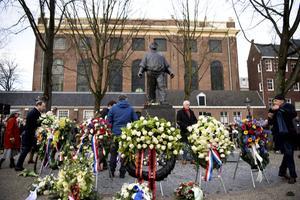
(139, 165)
(47, 154)
(257, 158)
(213, 155)
(152, 172)
(80, 145)
(95, 151)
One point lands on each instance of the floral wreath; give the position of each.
(149, 134)
(210, 143)
(134, 191)
(189, 191)
(253, 139)
(52, 136)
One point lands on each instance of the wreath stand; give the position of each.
(251, 172)
(219, 176)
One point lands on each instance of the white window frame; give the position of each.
(62, 110)
(270, 89)
(293, 65)
(201, 94)
(274, 65)
(287, 68)
(288, 100)
(59, 45)
(84, 115)
(268, 65)
(236, 117)
(297, 105)
(260, 86)
(258, 67)
(297, 88)
(224, 117)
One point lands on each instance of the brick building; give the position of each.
(262, 66)
(217, 93)
(216, 44)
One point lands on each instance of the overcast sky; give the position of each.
(20, 47)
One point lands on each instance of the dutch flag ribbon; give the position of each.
(213, 155)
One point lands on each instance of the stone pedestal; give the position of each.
(161, 111)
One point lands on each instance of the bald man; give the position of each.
(185, 118)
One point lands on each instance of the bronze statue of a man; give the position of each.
(156, 66)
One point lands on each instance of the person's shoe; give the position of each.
(122, 175)
(12, 163)
(1, 161)
(292, 180)
(19, 168)
(284, 175)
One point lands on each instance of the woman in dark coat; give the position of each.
(12, 140)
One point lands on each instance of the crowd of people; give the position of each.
(19, 136)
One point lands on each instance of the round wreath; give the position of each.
(206, 135)
(252, 135)
(146, 134)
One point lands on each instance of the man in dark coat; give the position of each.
(28, 137)
(281, 117)
(118, 116)
(105, 111)
(156, 66)
(185, 118)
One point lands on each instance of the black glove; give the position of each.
(172, 76)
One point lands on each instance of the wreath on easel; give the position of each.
(147, 142)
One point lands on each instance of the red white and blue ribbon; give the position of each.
(80, 145)
(213, 155)
(95, 151)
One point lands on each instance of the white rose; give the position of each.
(145, 122)
(161, 129)
(171, 138)
(128, 138)
(181, 152)
(170, 145)
(158, 146)
(157, 124)
(228, 153)
(163, 147)
(222, 155)
(150, 133)
(172, 129)
(142, 138)
(129, 126)
(194, 148)
(144, 146)
(175, 152)
(101, 137)
(168, 124)
(144, 132)
(155, 118)
(139, 146)
(123, 136)
(151, 146)
(138, 133)
(131, 146)
(126, 195)
(190, 128)
(142, 118)
(206, 158)
(155, 141)
(201, 155)
(148, 142)
(162, 124)
(122, 155)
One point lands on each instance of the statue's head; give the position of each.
(153, 46)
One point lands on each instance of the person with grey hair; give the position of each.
(185, 118)
(118, 116)
(28, 137)
(156, 66)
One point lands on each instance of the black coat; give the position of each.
(183, 120)
(289, 113)
(28, 137)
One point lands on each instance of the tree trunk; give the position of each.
(47, 77)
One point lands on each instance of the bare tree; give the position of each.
(45, 30)
(278, 13)
(8, 75)
(102, 34)
(186, 15)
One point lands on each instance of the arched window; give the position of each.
(216, 75)
(58, 75)
(194, 81)
(137, 84)
(115, 76)
(83, 70)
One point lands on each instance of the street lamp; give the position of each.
(247, 102)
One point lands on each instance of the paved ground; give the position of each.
(13, 187)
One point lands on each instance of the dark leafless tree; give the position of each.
(8, 75)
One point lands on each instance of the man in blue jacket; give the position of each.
(118, 116)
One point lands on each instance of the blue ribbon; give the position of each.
(139, 193)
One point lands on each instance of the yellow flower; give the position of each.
(62, 123)
(246, 132)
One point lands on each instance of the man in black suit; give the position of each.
(185, 118)
(28, 137)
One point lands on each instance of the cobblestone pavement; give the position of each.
(13, 187)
